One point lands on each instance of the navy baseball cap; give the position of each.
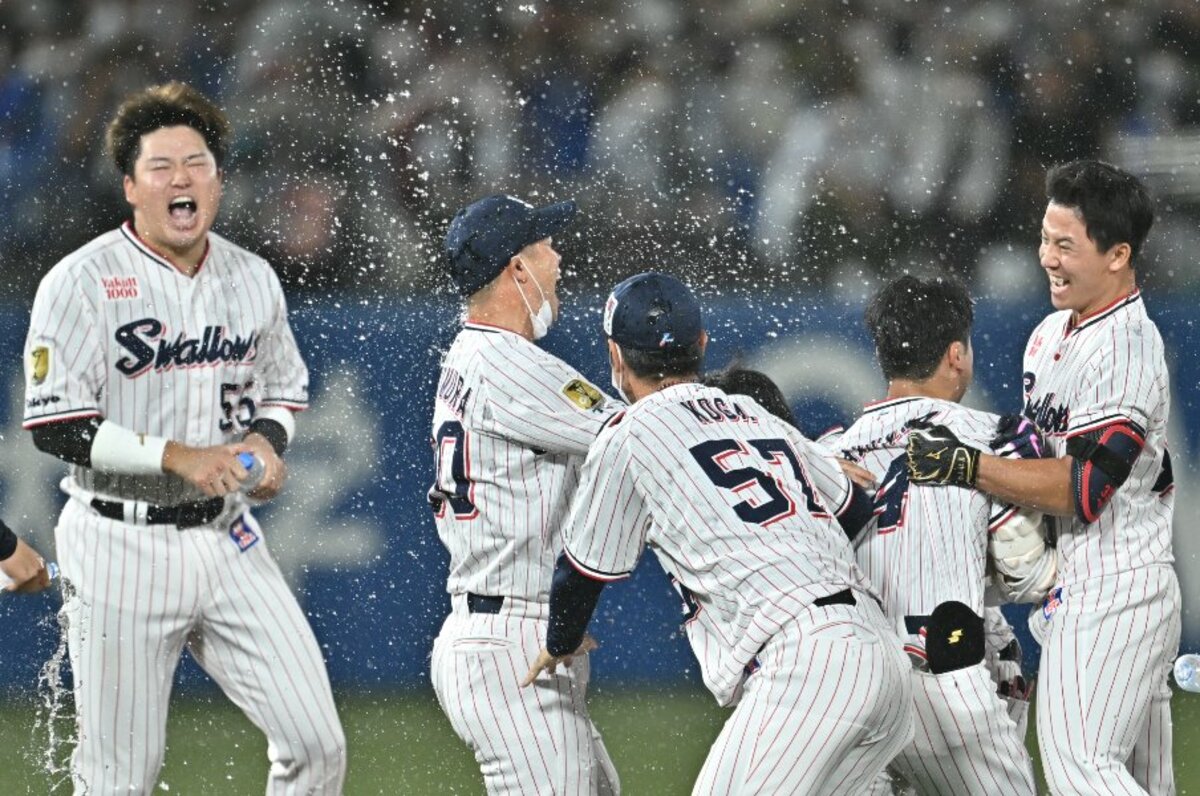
(485, 235)
(652, 312)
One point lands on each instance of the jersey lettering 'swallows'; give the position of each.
(212, 347)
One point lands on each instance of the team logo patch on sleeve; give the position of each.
(583, 395)
(242, 534)
(39, 359)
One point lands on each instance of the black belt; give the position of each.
(843, 597)
(185, 515)
(481, 604)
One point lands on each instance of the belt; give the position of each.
(185, 515)
(481, 604)
(843, 597)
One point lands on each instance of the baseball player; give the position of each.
(511, 425)
(156, 354)
(743, 512)
(1096, 383)
(928, 551)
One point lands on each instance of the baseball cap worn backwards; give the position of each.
(485, 235)
(652, 312)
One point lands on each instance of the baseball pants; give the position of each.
(1103, 700)
(137, 595)
(535, 740)
(828, 707)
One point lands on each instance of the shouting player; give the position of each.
(1096, 383)
(743, 513)
(927, 552)
(511, 426)
(156, 354)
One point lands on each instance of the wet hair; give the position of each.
(169, 105)
(663, 363)
(1114, 205)
(914, 321)
(738, 380)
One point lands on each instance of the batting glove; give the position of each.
(1018, 438)
(937, 457)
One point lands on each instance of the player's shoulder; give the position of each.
(1123, 332)
(88, 257)
(225, 253)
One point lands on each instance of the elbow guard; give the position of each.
(1103, 459)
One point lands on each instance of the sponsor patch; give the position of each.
(583, 395)
(242, 534)
(610, 307)
(39, 360)
(120, 288)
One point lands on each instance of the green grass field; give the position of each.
(401, 744)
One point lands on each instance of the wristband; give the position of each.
(118, 450)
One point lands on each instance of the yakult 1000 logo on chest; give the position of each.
(120, 287)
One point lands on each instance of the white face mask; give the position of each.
(543, 319)
(615, 378)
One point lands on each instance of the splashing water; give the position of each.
(54, 717)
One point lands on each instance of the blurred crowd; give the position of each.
(764, 143)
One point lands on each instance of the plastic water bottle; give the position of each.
(51, 570)
(1187, 672)
(256, 469)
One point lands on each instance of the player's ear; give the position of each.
(1119, 256)
(516, 267)
(129, 186)
(703, 341)
(956, 354)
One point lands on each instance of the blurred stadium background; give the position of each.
(783, 157)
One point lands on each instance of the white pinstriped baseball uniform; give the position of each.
(511, 426)
(119, 333)
(926, 546)
(739, 508)
(1103, 707)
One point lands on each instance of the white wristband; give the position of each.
(118, 450)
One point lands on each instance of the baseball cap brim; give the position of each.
(551, 219)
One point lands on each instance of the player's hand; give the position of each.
(274, 472)
(547, 662)
(214, 470)
(937, 457)
(1018, 438)
(26, 569)
(858, 474)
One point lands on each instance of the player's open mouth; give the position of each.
(1057, 283)
(182, 210)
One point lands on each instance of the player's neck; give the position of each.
(640, 388)
(510, 319)
(934, 387)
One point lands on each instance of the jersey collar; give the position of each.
(1104, 312)
(162, 259)
(888, 403)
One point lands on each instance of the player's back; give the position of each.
(740, 510)
(925, 545)
(511, 426)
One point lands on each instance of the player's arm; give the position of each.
(284, 377)
(851, 504)
(21, 564)
(604, 534)
(538, 401)
(109, 447)
(1097, 463)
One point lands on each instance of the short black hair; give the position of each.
(660, 364)
(169, 105)
(1114, 204)
(738, 380)
(913, 321)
